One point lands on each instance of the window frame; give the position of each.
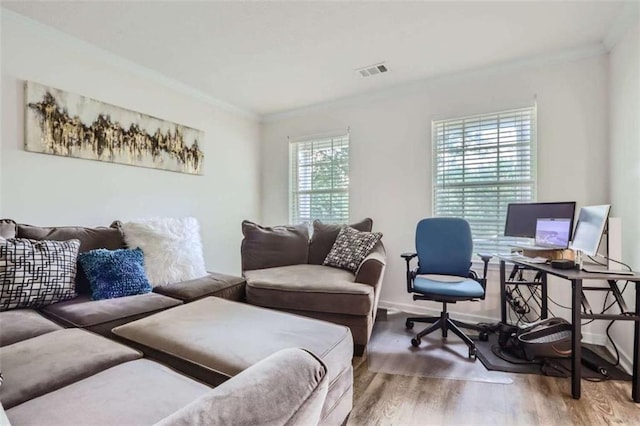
(502, 242)
(293, 180)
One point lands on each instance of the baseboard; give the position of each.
(626, 363)
(421, 310)
(593, 338)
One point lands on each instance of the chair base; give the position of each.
(444, 323)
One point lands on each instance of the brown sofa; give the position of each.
(58, 376)
(67, 370)
(283, 269)
(100, 316)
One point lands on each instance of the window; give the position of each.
(319, 180)
(481, 164)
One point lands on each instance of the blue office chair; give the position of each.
(444, 247)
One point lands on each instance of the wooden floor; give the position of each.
(386, 399)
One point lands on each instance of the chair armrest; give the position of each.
(485, 258)
(372, 267)
(408, 256)
(410, 274)
(288, 387)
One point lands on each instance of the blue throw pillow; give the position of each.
(115, 273)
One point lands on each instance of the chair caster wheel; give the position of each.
(415, 342)
(484, 336)
(472, 353)
(408, 324)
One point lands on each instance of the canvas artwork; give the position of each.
(63, 123)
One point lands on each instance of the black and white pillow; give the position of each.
(350, 248)
(36, 273)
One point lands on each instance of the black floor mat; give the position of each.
(560, 367)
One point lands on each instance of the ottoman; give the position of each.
(213, 339)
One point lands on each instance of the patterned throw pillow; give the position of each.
(350, 248)
(36, 273)
(115, 273)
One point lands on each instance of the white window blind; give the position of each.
(319, 180)
(481, 164)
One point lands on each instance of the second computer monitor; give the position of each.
(522, 218)
(589, 229)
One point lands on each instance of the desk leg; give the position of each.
(635, 387)
(503, 293)
(576, 344)
(545, 307)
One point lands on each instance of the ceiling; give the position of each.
(269, 57)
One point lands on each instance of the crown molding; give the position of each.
(628, 16)
(123, 64)
(569, 55)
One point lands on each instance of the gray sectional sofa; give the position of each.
(73, 376)
(248, 366)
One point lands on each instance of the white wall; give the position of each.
(625, 159)
(391, 150)
(50, 190)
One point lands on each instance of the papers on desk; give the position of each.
(521, 258)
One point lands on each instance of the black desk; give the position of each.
(577, 299)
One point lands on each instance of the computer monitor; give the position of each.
(589, 229)
(553, 233)
(522, 218)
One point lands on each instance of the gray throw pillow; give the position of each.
(324, 236)
(111, 238)
(36, 273)
(269, 247)
(350, 248)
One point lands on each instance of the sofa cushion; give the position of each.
(309, 288)
(115, 273)
(8, 228)
(110, 238)
(265, 247)
(350, 248)
(325, 234)
(228, 337)
(172, 248)
(90, 238)
(140, 392)
(84, 312)
(48, 362)
(36, 273)
(23, 324)
(214, 284)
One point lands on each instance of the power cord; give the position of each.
(609, 260)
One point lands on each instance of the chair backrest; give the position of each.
(444, 246)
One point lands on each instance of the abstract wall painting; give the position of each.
(70, 125)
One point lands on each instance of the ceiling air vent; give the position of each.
(372, 70)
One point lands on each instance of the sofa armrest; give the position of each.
(372, 267)
(286, 388)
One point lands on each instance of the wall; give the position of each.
(50, 190)
(625, 159)
(391, 151)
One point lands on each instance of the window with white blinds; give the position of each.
(319, 180)
(481, 164)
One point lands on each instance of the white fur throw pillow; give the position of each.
(172, 248)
